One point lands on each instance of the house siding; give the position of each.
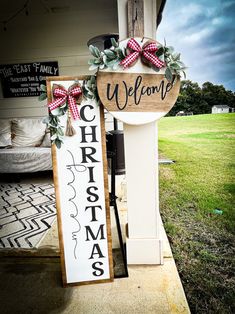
(220, 110)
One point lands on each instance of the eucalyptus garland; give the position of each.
(174, 66)
(111, 58)
(56, 130)
(89, 91)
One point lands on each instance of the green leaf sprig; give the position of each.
(89, 89)
(174, 66)
(109, 58)
(56, 130)
(43, 94)
(53, 121)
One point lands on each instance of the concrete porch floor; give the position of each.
(33, 284)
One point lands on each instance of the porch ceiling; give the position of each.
(10, 7)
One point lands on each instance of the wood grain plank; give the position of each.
(106, 189)
(135, 18)
(57, 197)
(152, 84)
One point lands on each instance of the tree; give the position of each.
(190, 99)
(193, 98)
(217, 95)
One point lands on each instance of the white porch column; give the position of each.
(144, 245)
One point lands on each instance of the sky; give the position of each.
(203, 31)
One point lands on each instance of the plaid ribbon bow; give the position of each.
(147, 52)
(61, 95)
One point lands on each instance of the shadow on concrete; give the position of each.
(32, 286)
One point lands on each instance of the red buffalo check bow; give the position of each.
(147, 52)
(61, 95)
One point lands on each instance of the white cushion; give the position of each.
(27, 132)
(5, 132)
(46, 140)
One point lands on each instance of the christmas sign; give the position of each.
(138, 79)
(76, 121)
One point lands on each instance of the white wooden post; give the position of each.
(144, 244)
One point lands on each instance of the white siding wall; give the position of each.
(48, 36)
(220, 110)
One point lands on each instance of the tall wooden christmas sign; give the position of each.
(76, 122)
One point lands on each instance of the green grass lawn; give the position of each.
(201, 181)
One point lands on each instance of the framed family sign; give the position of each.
(24, 79)
(76, 121)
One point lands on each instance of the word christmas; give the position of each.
(91, 232)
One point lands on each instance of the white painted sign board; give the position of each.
(80, 176)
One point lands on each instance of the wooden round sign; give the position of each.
(138, 94)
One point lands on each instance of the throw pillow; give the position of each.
(46, 140)
(5, 132)
(27, 132)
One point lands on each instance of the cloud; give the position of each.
(197, 36)
(203, 31)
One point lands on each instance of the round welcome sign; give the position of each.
(137, 92)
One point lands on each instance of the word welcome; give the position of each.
(135, 92)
